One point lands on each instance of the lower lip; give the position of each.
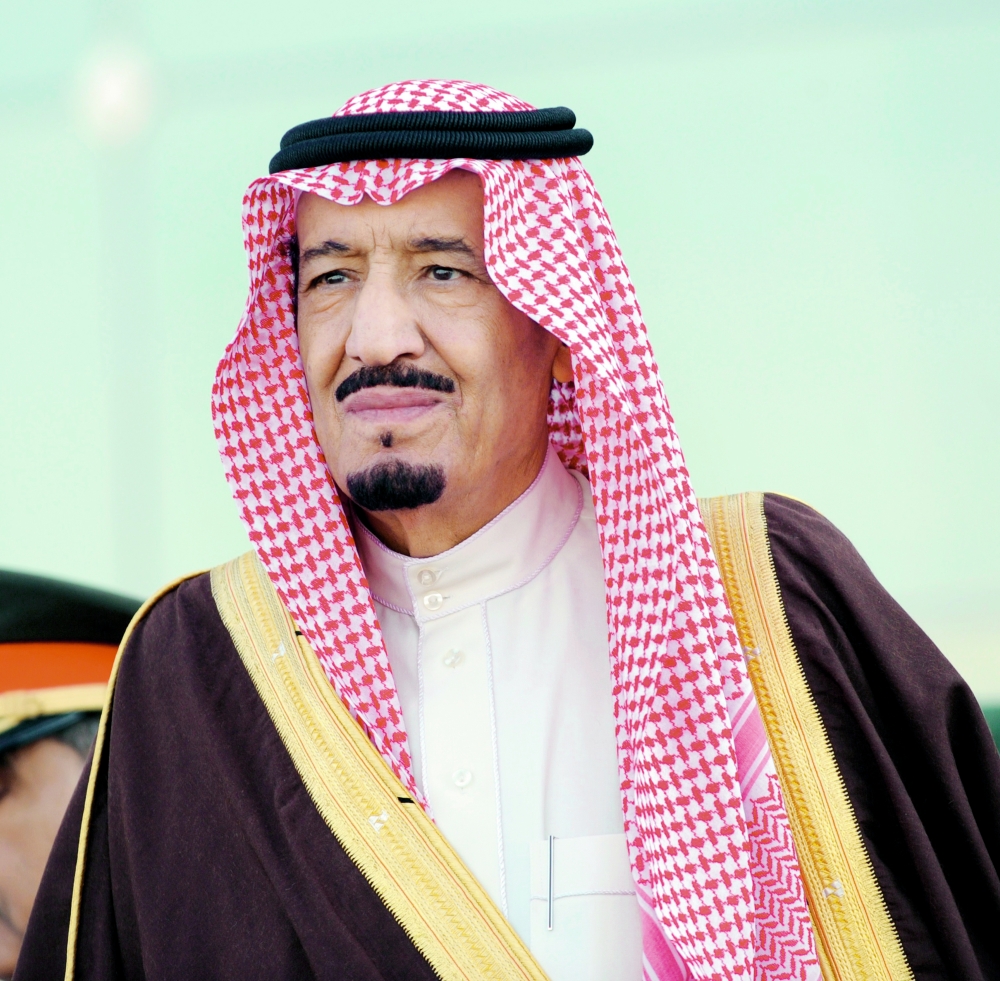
(383, 416)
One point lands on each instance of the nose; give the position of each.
(384, 326)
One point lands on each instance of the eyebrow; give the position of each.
(421, 245)
(457, 245)
(329, 247)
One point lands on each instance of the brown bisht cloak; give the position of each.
(216, 847)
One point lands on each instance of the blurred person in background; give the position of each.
(57, 644)
(494, 696)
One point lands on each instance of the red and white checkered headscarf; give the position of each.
(711, 850)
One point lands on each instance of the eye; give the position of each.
(444, 274)
(335, 277)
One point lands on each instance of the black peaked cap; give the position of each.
(35, 608)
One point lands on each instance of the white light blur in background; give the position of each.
(114, 94)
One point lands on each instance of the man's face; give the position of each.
(36, 783)
(428, 388)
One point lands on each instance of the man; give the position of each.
(57, 644)
(486, 701)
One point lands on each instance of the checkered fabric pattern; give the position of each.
(712, 855)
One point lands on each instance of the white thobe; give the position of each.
(499, 651)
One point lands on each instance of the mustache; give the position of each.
(398, 374)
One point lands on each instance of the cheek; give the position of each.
(482, 340)
(321, 347)
(521, 355)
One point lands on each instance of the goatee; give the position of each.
(393, 485)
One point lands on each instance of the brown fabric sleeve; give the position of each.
(206, 856)
(915, 752)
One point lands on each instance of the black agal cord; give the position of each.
(534, 134)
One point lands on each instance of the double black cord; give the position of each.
(528, 135)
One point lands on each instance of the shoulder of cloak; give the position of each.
(197, 825)
(914, 751)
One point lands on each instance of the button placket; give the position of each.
(457, 737)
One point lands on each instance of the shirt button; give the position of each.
(462, 778)
(433, 601)
(453, 659)
(427, 577)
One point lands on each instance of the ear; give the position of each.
(562, 367)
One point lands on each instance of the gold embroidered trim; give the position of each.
(81, 854)
(855, 937)
(16, 706)
(409, 863)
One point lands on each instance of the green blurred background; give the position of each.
(806, 193)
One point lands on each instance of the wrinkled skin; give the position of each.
(35, 787)
(408, 283)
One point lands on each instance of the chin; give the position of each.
(392, 483)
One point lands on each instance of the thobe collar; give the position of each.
(503, 555)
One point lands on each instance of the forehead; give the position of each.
(450, 207)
